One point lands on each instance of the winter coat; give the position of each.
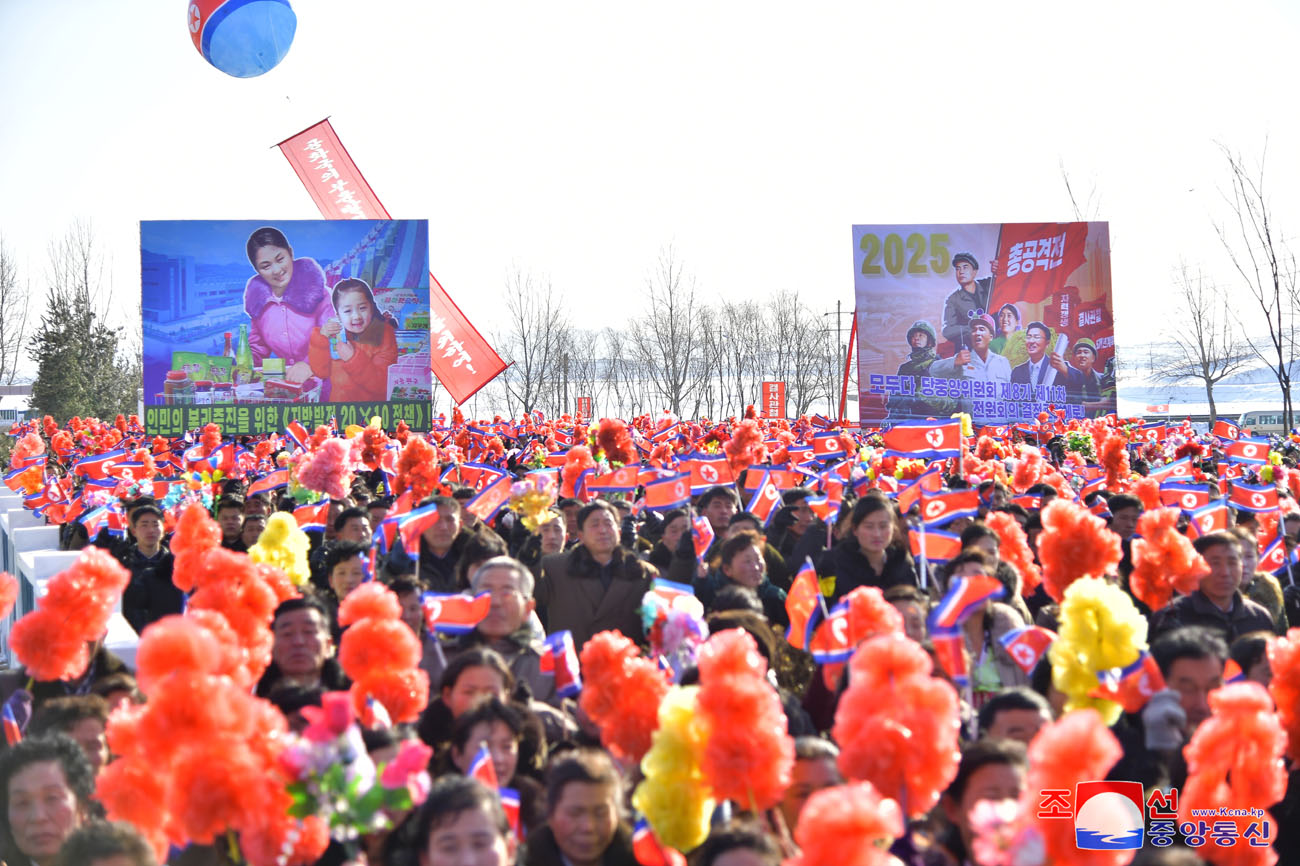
(282, 326)
(848, 565)
(570, 595)
(364, 376)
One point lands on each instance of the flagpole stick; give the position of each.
(925, 567)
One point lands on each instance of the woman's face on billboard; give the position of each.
(275, 265)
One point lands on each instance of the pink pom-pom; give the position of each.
(327, 469)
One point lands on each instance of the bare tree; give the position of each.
(1267, 269)
(1091, 206)
(533, 342)
(1206, 347)
(15, 299)
(798, 345)
(666, 340)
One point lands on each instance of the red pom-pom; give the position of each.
(848, 825)
(1148, 490)
(133, 791)
(369, 600)
(1074, 543)
(328, 468)
(603, 659)
(749, 754)
(628, 731)
(613, 438)
(1163, 559)
(417, 469)
(1112, 451)
(176, 645)
(1014, 550)
(897, 726)
(29, 446)
(1077, 748)
(740, 448)
(1029, 471)
(374, 646)
(403, 692)
(196, 533)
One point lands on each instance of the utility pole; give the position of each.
(837, 378)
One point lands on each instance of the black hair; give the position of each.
(794, 495)
(721, 490)
(349, 514)
(302, 602)
(440, 502)
(593, 507)
(61, 714)
(463, 493)
(402, 585)
(266, 236)
(869, 504)
(974, 555)
(1015, 698)
(58, 748)
(231, 500)
(342, 551)
(815, 749)
(746, 517)
(734, 597)
(103, 839)
(977, 532)
(983, 753)
(1121, 501)
(587, 765)
(1047, 332)
(451, 795)
(147, 508)
(737, 836)
(906, 592)
(740, 542)
(1249, 649)
(489, 711)
(1216, 539)
(480, 547)
(352, 284)
(476, 657)
(1188, 642)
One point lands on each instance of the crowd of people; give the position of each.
(584, 562)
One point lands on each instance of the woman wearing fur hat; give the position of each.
(285, 299)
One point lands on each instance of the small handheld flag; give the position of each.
(452, 613)
(1027, 644)
(701, 536)
(800, 604)
(560, 660)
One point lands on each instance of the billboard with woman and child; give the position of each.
(1001, 321)
(252, 324)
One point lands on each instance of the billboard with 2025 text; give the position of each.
(1001, 321)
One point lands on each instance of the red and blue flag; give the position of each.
(1249, 497)
(271, 481)
(938, 509)
(935, 545)
(804, 598)
(766, 499)
(929, 440)
(1027, 644)
(965, 595)
(1131, 686)
(560, 660)
(668, 493)
(454, 613)
(649, 851)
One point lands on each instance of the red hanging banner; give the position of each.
(460, 357)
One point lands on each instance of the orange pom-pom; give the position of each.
(1284, 661)
(613, 438)
(1112, 451)
(196, 533)
(417, 469)
(404, 693)
(215, 786)
(1029, 471)
(897, 726)
(1148, 490)
(8, 593)
(740, 448)
(848, 825)
(1234, 761)
(46, 649)
(369, 600)
(374, 645)
(1014, 550)
(577, 461)
(1077, 748)
(132, 790)
(1074, 543)
(175, 645)
(1163, 559)
(603, 659)
(749, 754)
(628, 731)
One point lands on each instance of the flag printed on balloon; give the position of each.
(950, 309)
(242, 38)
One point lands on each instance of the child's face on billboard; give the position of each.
(355, 311)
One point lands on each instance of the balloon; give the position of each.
(243, 38)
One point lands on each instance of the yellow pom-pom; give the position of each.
(1100, 629)
(674, 796)
(283, 545)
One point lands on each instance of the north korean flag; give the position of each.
(269, 482)
(560, 660)
(965, 594)
(1188, 497)
(804, 598)
(928, 440)
(824, 507)
(15, 714)
(27, 462)
(1131, 686)
(668, 493)
(929, 481)
(1152, 431)
(311, 517)
(1226, 430)
(669, 591)
(935, 546)
(1247, 450)
(800, 453)
(1170, 471)
(482, 768)
(11, 479)
(453, 613)
(411, 525)
(765, 501)
(95, 467)
(831, 642)
(1212, 517)
(708, 471)
(621, 480)
(488, 501)
(701, 536)
(782, 476)
(938, 509)
(665, 434)
(1274, 558)
(950, 649)
(1232, 673)
(649, 851)
(297, 434)
(1095, 485)
(1249, 497)
(827, 444)
(510, 805)
(1027, 644)
(1028, 501)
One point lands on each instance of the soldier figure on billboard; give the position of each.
(971, 295)
(921, 339)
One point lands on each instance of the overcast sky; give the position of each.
(574, 140)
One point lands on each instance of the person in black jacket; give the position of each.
(151, 594)
(869, 556)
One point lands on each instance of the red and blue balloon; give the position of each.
(243, 38)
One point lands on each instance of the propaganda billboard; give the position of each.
(1001, 321)
(252, 324)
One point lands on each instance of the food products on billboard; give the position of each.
(220, 368)
(243, 359)
(194, 364)
(203, 392)
(178, 388)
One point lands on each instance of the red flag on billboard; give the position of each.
(1035, 260)
(461, 359)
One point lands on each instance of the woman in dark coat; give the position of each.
(871, 554)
